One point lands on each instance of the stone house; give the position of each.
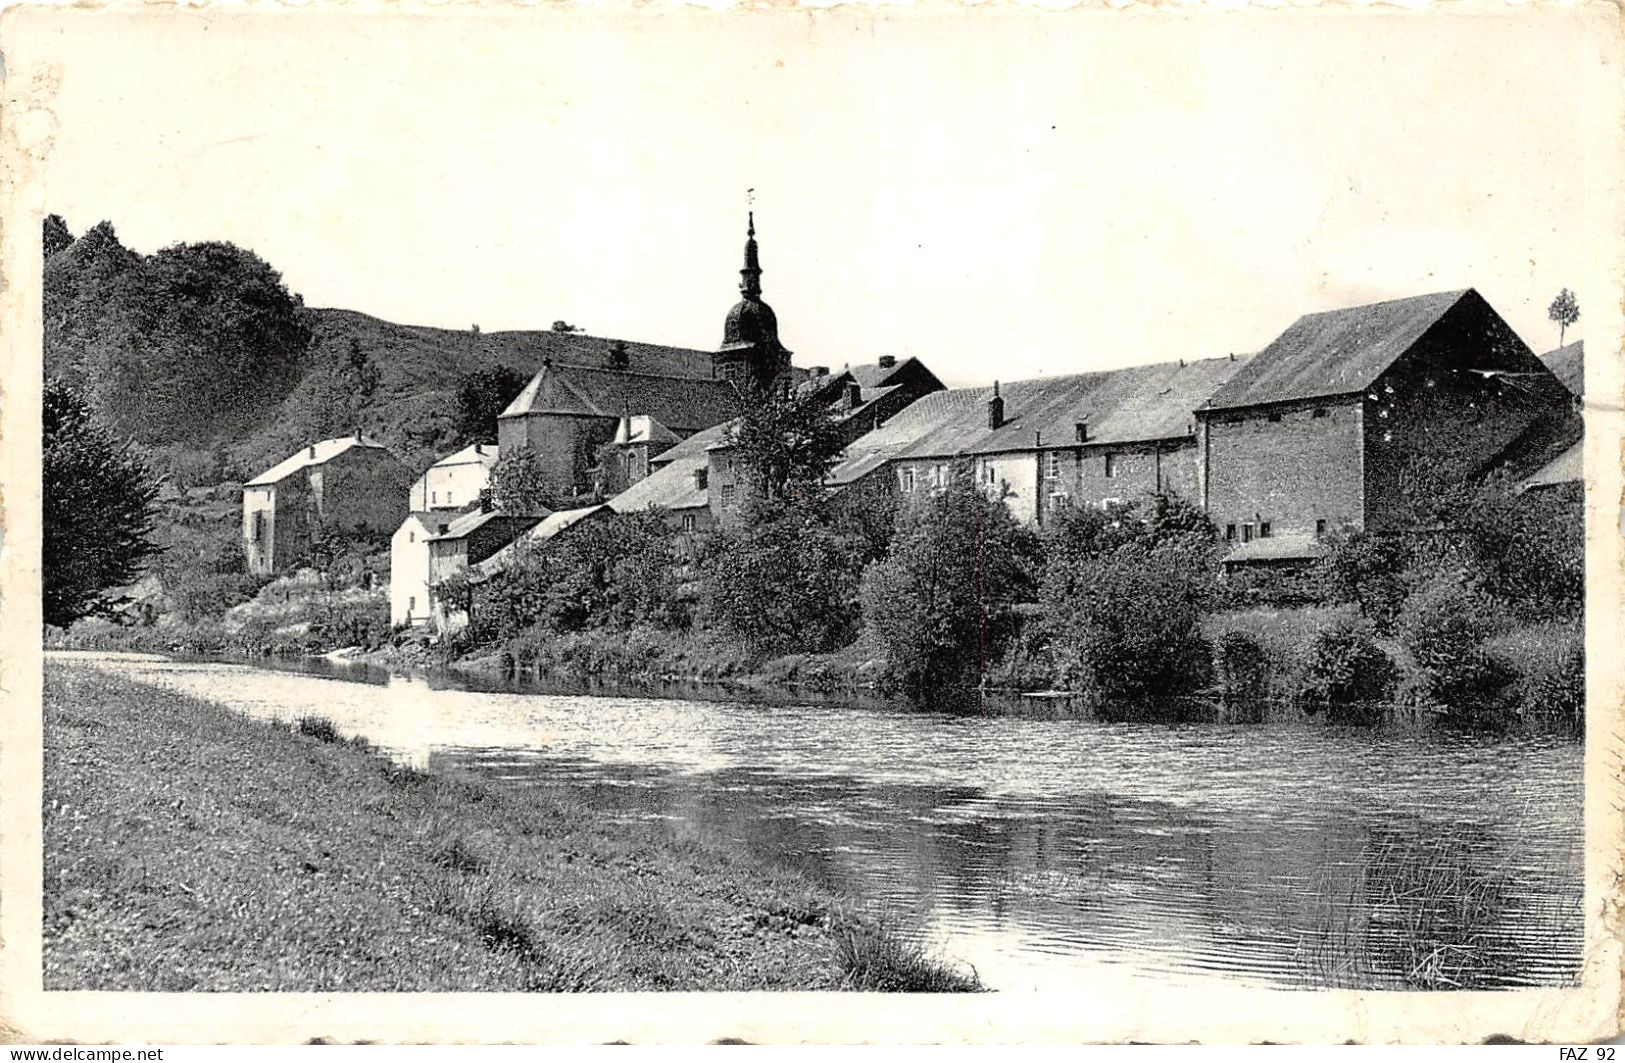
(455, 481)
(1082, 439)
(1334, 422)
(349, 484)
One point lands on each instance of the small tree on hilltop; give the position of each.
(57, 235)
(519, 483)
(942, 602)
(1565, 310)
(98, 509)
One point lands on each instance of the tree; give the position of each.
(785, 584)
(57, 235)
(942, 602)
(98, 509)
(785, 445)
(1565, 310)
(519, 483)
(481, 396)
(186, 345)
(360, 375)
(1124, 593)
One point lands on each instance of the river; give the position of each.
(1048, 851)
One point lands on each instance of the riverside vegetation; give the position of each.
(347, 872)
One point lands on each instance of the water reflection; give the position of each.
(1047, 850)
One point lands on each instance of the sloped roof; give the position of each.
(698, 443)
(685, 404)
(1567, 468)
(1568, 364)
(477, 453)
(550, 525)
(914, 422)
(1138, 404)
(644, 429)
(1336, 352)
(473, 520)
(310, 456)
(671, 486)
(1295, 546)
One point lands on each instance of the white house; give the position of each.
(454, 482)
(409, 566)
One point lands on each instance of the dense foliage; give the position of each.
(481, 396)
(97, 513)
(182, 345)
(1124, 593)
(519, 483)
(942, 602)
(784, 446)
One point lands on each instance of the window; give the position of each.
(411, 604)
(727, 494)
(1229, 533)
(908, 481)
(434, 496)
(688, 522)
(411, 536)
(1320, 411)
(992, 475)
(1263, 529)
(1246, 533)
(1320, 527)
(1057, 500)
(259, 525)
(1052, 469)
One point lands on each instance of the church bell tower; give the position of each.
(751, 355)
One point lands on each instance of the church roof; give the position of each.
(1337, 352)
(683, 404)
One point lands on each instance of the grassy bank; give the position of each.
(189, 848)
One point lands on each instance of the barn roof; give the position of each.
(466, 524)
(1336, 352)
(1139, 404)
(311, 456)
(671, 486)
(1568, 364)
(916, 421)
(684, 404)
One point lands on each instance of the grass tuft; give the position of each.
(318, 727)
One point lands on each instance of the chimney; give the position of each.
(854, 395)
(358, 435)
(1232, 356)
(995, 408)
(485, 502)
(479, 448)
(1082, 428)
(313, 452)
(702, 479)
(888, 361)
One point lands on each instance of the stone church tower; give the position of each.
(751, 356)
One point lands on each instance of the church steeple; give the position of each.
(750, 278)
(751, 355)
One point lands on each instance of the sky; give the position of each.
(1004, 193)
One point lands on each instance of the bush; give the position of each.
(787, 584)
(940, 604)
(1549, 661)
(318, 727)
(1444, 625)
(1346, 666)
(1370, 571)
(1124, 593)
(1240, 668)
(363, 623)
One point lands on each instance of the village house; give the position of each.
(464, 541)
(346, 485)
(1332, 424)
(409, 601)
(455, 481)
